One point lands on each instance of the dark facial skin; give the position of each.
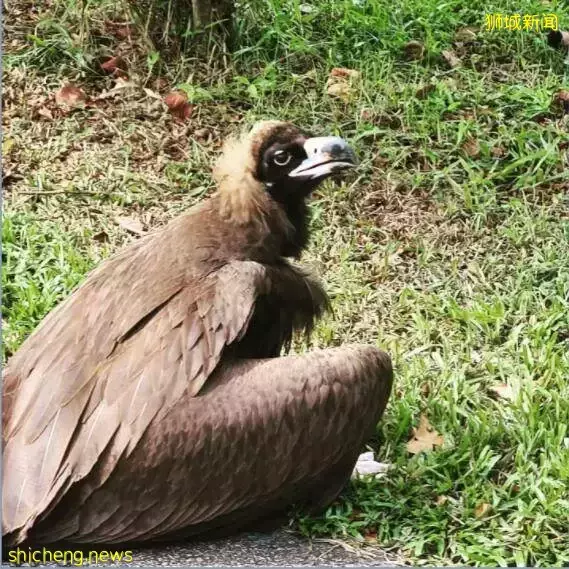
(277, 161)
(284, 152)
(281, 154)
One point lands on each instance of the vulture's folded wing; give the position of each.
(270, 433)
(100, 368)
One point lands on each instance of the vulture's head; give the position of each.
(291, 163)
(276, 163)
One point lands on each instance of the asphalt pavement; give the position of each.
(279, 548)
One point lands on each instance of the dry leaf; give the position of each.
(471, 147)
(414, 50)
(561, 102)
(7, 145)
(159, 84)
(451, 58)
(345, 73)
(441, 500)
(425, 438)
(370, 536)
(498, 151)
(482, 509)
(202, 134)
(131, 225)
(124, 83)
(354, 515)
(341, 83)
(70, 95)
(123, 32)
(423, 92)
(152, 94)
(306, 9)
(177, 103)
(466, 35)
(116, 66)
(101, 237)
(46, 113)
(503, 391)
(340, 90)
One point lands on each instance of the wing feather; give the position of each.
(296, 419)
(88, 392)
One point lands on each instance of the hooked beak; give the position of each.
(325, 155)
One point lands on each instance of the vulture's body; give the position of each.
(152, 405)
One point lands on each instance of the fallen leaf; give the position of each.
(116, 66)
(370, 536)
(414, 50)
(124, 83)
(45, 112)
(441, 500)
(123, 32)
(341, 83)
(452, 60)
(340, 90)
(354, 515)
(7, 145)
(160, 83)
(466, 35)
(367, 114)
(503, 391)
(152, 94)
(131, 225)
(482, 509)
(561, 102)
(345, 73)
(311, 76)
(476, 356)
(177, 103)
(425, 438)
(70, 95)
(202, 134)
(545, 117)
(425, 91)
(471, 147)
(306, 9)
(498, 151)
(101, 237)
(9, 176)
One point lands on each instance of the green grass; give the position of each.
(456, 261)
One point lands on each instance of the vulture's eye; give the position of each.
(282, 157)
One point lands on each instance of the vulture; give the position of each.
(159, 401)
(558, 39)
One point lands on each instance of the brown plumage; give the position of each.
(558, 39)
(152, 405)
